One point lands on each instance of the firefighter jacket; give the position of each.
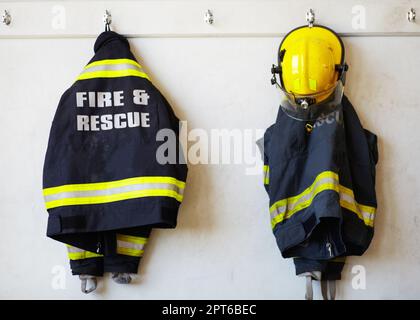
(320, 178)
(102, 170)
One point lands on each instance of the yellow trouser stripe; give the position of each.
(132, 239)
(130, 245)
(126, 245)
(75, 253)
(130, 252)
(83, 255)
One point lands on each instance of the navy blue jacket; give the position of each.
(101, 170)
(321, 184)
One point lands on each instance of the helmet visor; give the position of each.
(311, 106)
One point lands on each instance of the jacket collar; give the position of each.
(106, 37)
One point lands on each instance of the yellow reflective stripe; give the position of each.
(112, 184)
(112, 74)
(130, 245)
(130, 252)
(307, 203)
(291, 200)
(354, 208)
(111, 62)
(351, 194)
(83, 255)
(114, 197)
(132, 239)
(364, 212)
(266, 170)
(304, 204)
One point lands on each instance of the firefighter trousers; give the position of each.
(121, 252)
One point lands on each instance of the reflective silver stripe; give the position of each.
(112, 67)
(367, 216)
(72, 249)
(130, 245)
(75, 253)
(111, 191)
(291, 206)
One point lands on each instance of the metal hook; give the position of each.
(208, 17)
(6, 18)
(310, 18)
(411, 15)
(107, 19)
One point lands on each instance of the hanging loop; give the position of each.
(6, 18)
(107, 19)
(310, 18)
(309, 295)
(84, 282)
(411, 15)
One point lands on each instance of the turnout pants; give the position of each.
(121, 253)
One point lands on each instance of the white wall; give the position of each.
(223, 246)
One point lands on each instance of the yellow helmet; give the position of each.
(311, 70)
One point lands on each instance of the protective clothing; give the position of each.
(107, 182)
(321, 185)
(319, 162)
(311, 70)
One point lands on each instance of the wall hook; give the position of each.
(208, 17)
(6, 18)
(107, 19)
(411, 15)
(310, 17)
